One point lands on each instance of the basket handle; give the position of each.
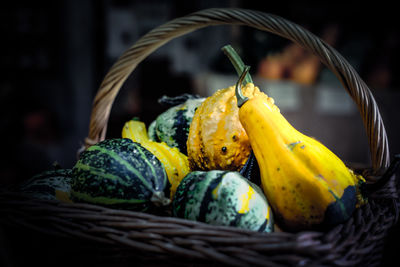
(350, 80)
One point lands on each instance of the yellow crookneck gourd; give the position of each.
(306, 184)
(175, 163)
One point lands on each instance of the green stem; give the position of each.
(241, 99)
(236, 62)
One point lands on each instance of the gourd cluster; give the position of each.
(189, 163)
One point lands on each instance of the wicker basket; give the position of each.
(134, 237)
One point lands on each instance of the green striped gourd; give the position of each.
(119, 173)
(172, 126)
(49, 185)
(222, 198)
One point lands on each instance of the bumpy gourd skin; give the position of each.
(217, 139)
(300, 177)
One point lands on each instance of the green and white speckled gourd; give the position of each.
(223, 198)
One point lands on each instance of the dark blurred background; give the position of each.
(55, 54)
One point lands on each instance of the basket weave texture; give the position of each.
(162, 239)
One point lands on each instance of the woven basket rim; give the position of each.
(135, 232)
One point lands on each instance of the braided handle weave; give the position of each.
(350, 80)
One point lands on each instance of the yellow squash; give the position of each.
(175, 163)
(217, 140)
(306, 184)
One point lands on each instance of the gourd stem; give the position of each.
(159, 199)
(241, 99)
(236, 62)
